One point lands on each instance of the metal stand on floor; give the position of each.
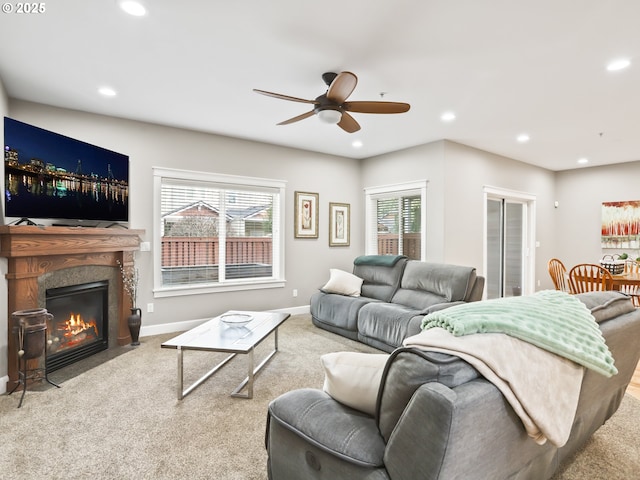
(32, 340)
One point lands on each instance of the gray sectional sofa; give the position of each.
(436, 417)
(396, 294)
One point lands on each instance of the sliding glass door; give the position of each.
(509, 222)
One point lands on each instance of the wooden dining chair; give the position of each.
(631, 267)
(588, 277)
(558, 274)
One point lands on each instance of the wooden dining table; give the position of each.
(629, 278)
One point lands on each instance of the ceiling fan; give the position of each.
(332, 107)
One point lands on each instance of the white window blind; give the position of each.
(215, 232)
(395, 220)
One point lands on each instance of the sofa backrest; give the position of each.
(381, 275)
(425, 284)
(405, 371)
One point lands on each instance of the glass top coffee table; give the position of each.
(233, 332)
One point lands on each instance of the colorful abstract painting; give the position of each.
(621, 224)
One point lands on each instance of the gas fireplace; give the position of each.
(80, 325)
(44, 258)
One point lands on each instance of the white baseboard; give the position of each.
(189, 324)
(3, 384)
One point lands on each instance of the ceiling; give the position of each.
(503, 67)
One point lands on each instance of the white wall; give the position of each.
(425, 162)
(456, 176)
(306, 260)
(578, 218)
(468, 171)
(455, 197)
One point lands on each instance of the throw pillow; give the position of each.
(343, 283)
(353, 378)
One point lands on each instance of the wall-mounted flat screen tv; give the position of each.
(52, 176)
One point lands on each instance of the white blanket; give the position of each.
(541, 387)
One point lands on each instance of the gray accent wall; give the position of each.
(456, 176)
(307, 261)
(578, 218)
(4, 322)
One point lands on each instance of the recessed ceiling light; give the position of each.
(356, 144)
(523, 138)
(618, 64)
(448, 117)
(583, 160)
(133, 8)
(107, 91)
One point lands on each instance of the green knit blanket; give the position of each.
(550, 319)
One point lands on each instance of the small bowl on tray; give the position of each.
(236, 320)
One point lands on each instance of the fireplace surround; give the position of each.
(41, 258)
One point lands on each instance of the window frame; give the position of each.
(277, 279)
(372, 194)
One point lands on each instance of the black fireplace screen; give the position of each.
(80, 322)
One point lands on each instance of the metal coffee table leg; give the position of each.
(183, 393)
(248, 382)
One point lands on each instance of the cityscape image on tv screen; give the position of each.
(52, 176)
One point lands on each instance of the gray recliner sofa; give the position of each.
(437, 418)
(396, 294)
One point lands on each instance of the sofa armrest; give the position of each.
(318, 419)
(477, 290)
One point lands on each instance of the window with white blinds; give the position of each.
(217, 231)
(396, 220)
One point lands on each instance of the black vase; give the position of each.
(134, 321)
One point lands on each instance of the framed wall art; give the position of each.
(339, 224)
(306, 215)
(620, 224)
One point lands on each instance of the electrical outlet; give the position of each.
(295, 292)
(149, 307)
(145, 246)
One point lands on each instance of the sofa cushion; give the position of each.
(424, 284)
(343, 283)
(386, 325)
(606, 305)
(405, 371)
(353, 378)
(340, 311)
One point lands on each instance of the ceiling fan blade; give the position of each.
(376, 107)
(341, 87)
(348, 123)
(298, 118)
(283, 97)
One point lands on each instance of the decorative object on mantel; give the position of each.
(130, 277)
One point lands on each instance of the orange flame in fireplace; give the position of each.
(76, 328)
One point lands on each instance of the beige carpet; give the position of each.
(122, 420)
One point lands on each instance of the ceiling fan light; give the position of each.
(330, 116)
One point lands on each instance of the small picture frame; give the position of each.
(306, 215)
(339, 224)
